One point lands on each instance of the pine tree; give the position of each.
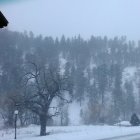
(135, 121)
(129, 98)
(117, 92)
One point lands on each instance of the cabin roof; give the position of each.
(3, 20)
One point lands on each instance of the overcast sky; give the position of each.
(73, 17)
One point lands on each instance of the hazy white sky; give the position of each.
(73, 17)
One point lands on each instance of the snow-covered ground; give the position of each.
(69, 132)
(123, 123)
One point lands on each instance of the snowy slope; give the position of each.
(129, 74)
(69, 133)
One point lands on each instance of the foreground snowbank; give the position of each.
(69, 132)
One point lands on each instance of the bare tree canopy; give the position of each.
(44, 84)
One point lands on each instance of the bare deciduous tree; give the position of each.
(43, 84)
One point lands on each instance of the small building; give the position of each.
(3, 21)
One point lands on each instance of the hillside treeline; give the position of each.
(97, 70)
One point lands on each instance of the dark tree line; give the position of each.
(37, 70)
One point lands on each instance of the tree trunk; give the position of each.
(43, 121)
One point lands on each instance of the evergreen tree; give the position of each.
(134, 120)
(117, 92)
(129, 97)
